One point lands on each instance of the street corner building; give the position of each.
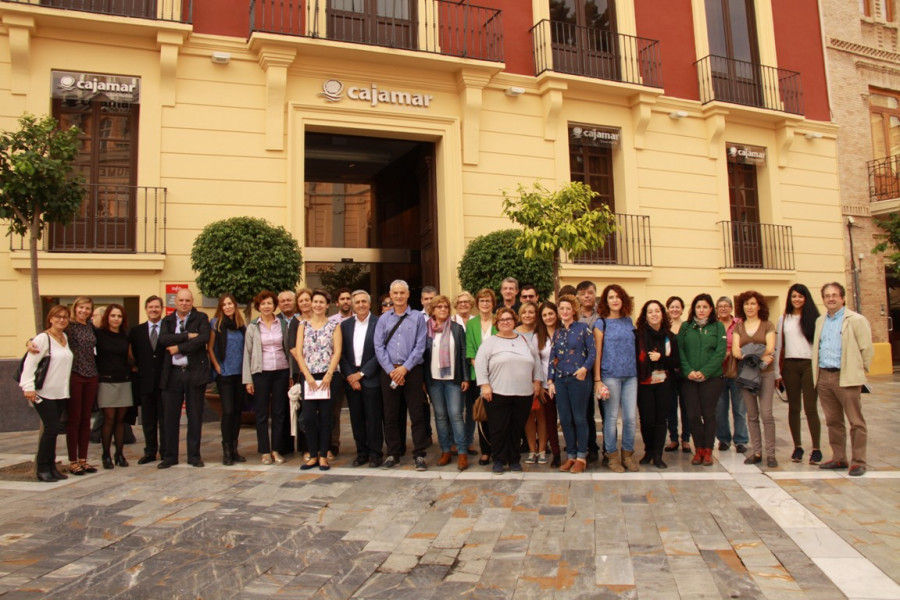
(382, 135)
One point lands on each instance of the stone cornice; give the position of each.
(863, 50)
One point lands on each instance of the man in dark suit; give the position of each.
(362, 379)
(185, 373)
(148, 358)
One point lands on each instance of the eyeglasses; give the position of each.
(441, 307)
(506, 320)
(386, 304)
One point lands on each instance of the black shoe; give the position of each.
(723, 446)
(671, 447)
(120, 461)
(815, 457)
(740, 449)
(556, 461)
(593, 456)
(107, 462)
(515, 467)
(857, 471)
(646, 460)
(834, 464)
(227, 458)
(420, 464)
(389, 463)
(605, 461)
(236, 456)
(54, 470)
(147, 458)
(165, 464)
(771, 462)
(797, 455)
(374, 463)
(46, 477)
(753, 459)
(497, 469)
(659, 462)
(360, 460)
(197, 463)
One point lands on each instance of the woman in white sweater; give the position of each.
(49, 398)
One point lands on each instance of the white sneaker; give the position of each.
(532, 458)
(542, 458)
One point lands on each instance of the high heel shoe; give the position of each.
(120, 460)
(107, 462)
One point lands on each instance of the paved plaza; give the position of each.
(253, 531)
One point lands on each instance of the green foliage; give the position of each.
(36, 182)
(244, 256)
(890, 243)
(491, 258)
(563, 220)
(354, 276)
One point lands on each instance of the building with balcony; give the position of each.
(863, 58)
(384, 133)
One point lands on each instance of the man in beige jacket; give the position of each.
(841, 355)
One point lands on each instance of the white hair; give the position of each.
(362, 293)
(399, 282)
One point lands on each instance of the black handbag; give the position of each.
(40, 371)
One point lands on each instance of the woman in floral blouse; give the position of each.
(571, 360)
(318, 352)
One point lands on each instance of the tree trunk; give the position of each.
(556, 274)
(33, 261)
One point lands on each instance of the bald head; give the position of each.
(184, 301)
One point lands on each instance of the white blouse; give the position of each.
(56, 385)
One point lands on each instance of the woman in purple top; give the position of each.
(616, 370)
(571, 359)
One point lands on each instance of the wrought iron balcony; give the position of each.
(161, 10)
(757, 246)
(749, 84)
(446, 27)
(628, 245)
(884, 178)
(115, 219)
(590, 52)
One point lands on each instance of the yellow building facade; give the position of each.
(231, 127)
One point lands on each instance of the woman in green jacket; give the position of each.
(702, 344)
(478, 328)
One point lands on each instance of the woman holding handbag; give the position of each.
(48, 388)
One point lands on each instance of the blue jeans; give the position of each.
(731, 397)
(572, 397)
(622, 397)
(448, 403)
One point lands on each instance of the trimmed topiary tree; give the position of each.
(491, 258)
(244, 256)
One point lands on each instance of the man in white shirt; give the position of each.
(363, 386)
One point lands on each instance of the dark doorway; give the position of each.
(370, 212)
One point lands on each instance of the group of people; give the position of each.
(513, 369)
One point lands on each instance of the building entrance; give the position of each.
(370, 206)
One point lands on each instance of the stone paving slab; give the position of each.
(253, 531)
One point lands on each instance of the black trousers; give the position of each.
(366, 418)
(153, 423)
(414, 395)
(700, 400)
(507, 416)
(592, 423)
(653, 409)
(270, 388)
(232, 393)
(179, 390)
(49, 411)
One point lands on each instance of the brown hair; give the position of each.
(763, 307)
(104, 323)
(262, 296)
(502, 311)
(439, 299)
(486, 293)
(572, 300)
(627, 304)
(55, 310)
(220, 313)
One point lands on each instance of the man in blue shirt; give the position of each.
(399, 345)
(841, 355)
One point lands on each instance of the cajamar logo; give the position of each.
(333, 90)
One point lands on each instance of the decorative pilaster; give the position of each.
(275, 61)
(169, 43)
(471, 90)
(19, 30)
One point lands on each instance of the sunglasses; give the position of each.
(386, 304)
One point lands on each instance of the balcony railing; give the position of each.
(160, 10)
(757, 246)
(446, 27)
(628, 245)
(116, 219)
(884, 178)
(590, 52)
(749, 84)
